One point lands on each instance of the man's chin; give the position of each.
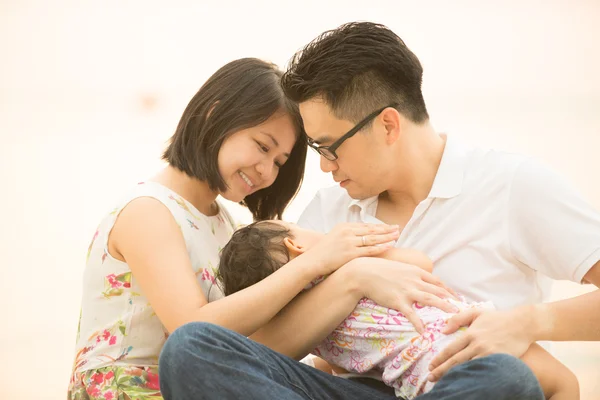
(358, 195)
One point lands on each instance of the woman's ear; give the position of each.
(294, 248)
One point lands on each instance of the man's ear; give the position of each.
(392, 122)
(294, 248)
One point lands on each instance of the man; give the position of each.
(498, 226)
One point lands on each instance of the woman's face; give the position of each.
(249, 160)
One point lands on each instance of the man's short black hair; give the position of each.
(356, 69)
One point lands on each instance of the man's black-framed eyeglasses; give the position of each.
(329, 151)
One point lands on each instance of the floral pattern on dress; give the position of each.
(208, 273)
(117, 383)
(115, 285)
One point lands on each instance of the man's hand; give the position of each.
(489, 332)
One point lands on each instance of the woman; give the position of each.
(152, 262)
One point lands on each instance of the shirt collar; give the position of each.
(448, 179)
(364, 204)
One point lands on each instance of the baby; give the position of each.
(373, 340)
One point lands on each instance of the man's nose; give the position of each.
(328, 165)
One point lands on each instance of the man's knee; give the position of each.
(186, 351)
(505, 365)
(193, 331)
(185, 340)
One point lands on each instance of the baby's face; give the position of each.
(302, 237)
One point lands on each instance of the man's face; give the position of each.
(360, 167)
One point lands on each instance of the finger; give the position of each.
(450, 351)
(374, 229)
(371, 251)
(428, 299)
(434, 280)
(435, 290)
(464, 318)
(448, 288)
(374, 239)
(459, 358)
(412, 317)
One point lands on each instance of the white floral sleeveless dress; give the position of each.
(120, 337)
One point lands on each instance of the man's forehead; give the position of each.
(315, 109)
(319, 122)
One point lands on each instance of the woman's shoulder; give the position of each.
(148, 200)
(139, 196)
(153, 209)
(145, 206)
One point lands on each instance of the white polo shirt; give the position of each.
(497, 225)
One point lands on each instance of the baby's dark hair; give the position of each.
(253, 253)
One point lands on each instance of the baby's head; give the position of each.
(259, 249)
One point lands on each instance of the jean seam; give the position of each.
(300, 388)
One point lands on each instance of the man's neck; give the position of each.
(421, 156)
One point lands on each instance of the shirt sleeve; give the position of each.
(551, 228)
(311, 216)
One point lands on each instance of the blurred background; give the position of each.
(91, 91)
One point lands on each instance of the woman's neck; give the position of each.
(193, 190)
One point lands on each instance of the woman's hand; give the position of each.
(348, 241)
(398, 286)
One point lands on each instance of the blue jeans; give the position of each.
(204, 361)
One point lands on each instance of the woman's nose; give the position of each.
(266, 170)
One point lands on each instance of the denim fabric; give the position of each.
(204, 361)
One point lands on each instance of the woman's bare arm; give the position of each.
(155, 251)
(311, 316)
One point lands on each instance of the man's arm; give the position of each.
(575, 319)
(513, 331)
(554, 231)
